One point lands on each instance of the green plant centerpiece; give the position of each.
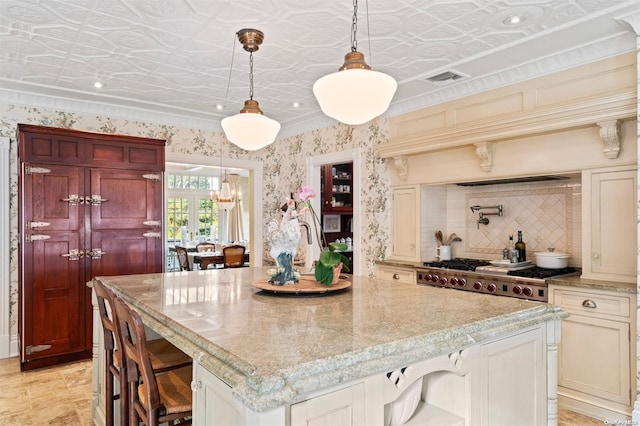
(330, 254)
(328, 261)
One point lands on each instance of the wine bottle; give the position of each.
(522, 248)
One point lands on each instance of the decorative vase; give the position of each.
(336, 273)
(284, 273)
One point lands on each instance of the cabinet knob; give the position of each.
(396, 276)
(595, 255)
(196, 385)
(588, 303)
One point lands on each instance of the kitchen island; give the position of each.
(376, 353)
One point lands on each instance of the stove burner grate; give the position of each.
(459, 263)
(538, 272)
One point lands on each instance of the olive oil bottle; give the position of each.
(522, 248)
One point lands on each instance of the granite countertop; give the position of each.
(271, 349)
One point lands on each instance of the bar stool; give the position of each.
(153, 398)
(164, 355)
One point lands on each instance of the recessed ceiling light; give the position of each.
(296, 104)
(98, 85)
(516, 19)
(219, 107)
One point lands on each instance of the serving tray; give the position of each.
(306, 285)
(508, 264)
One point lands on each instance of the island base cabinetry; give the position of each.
(503, 382)
(596, 357)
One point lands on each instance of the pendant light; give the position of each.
(355, 94)
(226, 197)
(250, 129)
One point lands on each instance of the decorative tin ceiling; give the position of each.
(170, 60)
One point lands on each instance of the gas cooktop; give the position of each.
(459, 263)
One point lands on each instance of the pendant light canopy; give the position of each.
(250, 129)
(354, 94)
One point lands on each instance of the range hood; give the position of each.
(524, 179)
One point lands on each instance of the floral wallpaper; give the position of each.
(284, 167)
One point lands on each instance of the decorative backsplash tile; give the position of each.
(548, 213)
(544, 215)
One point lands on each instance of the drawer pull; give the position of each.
(588, 303)
(396, 276)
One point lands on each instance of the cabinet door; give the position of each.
(405, 223)
(610, 217)
(504, 400)
(594, 358)
(130, 198)
(125, 252)
(53, 296)
(345, 407)
(53, 290)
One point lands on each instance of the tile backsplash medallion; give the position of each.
(548, 213)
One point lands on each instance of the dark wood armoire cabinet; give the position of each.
(90, 204)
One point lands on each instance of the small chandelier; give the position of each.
(354, 94)
(225, 197)
(250, 129)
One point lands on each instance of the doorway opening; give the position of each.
(350, 162)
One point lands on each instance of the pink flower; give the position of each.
(305, 193)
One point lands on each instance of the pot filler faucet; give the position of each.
(482, 219)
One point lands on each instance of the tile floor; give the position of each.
(61, 395)
(49, 396)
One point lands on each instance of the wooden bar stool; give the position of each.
(164, 355)
(153, 398)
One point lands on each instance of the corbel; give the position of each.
(610, 135)
(402, 165)
(484, 151)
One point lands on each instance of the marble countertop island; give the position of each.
(270, 349)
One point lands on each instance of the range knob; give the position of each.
(477, 285)
(462, 282)
(491, 287)
(454, 281)
(443, 280)
(527, 291)
(435, 278)
(517, 289)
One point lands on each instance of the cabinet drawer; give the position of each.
(396, 274)
(593, 302)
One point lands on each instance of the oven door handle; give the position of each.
(588, 303)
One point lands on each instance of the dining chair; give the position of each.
(205, 262)
(153, 398)
(164, 355)
(205, 247)
(233, 256)
(183, 258)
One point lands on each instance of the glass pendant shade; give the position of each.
(355, 94)
(250, 130)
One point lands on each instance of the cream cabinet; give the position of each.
(405, 223)
(596, 356)
(609, 217)
(395, 273)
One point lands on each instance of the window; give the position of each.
(189, 207)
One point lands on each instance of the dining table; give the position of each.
(206, 258)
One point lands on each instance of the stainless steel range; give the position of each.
(525, 281)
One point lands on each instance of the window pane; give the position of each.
(177, 216)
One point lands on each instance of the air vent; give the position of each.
(446, 77)
(513, 180)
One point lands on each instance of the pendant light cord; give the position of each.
(368, 32)
(233, 54)
(354, 27)
(251, 75)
